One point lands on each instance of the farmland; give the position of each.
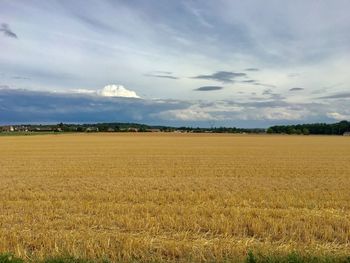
(174, 197)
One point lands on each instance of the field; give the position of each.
(174, 197)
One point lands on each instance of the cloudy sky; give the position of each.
(225, 62)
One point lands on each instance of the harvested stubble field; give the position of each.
(180, 197)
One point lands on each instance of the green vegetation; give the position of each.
(24, 129)
(316, 128)
(9, 258)
(295, 258)
(302, 129)
(250, 258)
(25, 133)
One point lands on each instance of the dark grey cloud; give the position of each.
(273, 95)
(257, 83)
(249, 81)
(344, 95)
(252, 69)
(296, 89)
(18, 105)
(161, 76)
(267, 92)
(222, 76)
(5, 28)
(24, 106)
(163, 72)
(208, 88)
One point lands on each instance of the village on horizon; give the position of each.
(340, 128)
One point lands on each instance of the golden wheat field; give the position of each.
(174, 197)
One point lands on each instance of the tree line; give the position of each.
(313, 128)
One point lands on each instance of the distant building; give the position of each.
(346, 134)
(7, 129)
(21, 128)
(180, 131)
(43, 129)
(153, 130)
(110, 129)
(131, 129)
(92, 129)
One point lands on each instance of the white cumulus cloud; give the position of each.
(117, 91)
(338, 116)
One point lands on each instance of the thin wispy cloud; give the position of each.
(257, 83)
(296, 89)
(267, 92)
(5, 28)
(20, 77)
(293, 75)
(163, 72)
(209, 88)
(222, 76)
(273, 95)
(249, 81)
(343, 95)
(161, 76)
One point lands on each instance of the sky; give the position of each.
(202, 63)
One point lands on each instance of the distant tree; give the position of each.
(270, 130)
(306, 131)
